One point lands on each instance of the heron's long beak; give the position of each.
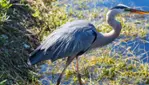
(138, 11)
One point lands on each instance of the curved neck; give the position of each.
(104, 39)
(109, 37)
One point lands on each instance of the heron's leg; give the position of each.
(78, 74)
(69, 60)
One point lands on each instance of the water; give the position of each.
(144, 4)
(137, 48)
(140, 4)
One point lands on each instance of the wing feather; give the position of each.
(68, 41)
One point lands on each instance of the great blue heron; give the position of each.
(75, 38)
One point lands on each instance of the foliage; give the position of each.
(3, 82)
(14, 37)
(4, 6)
(50, 17)
(20, 23)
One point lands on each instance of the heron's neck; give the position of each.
(104, 39)
(112, 35)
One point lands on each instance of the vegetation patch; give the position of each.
(20, 23)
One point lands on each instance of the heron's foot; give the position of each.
(79, 78)
(59, 79)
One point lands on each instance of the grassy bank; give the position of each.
(20, 23)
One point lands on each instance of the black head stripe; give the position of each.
(119, 7)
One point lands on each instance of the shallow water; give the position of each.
(140, 4)
(137, 48)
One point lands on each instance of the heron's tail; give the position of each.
(35, 57)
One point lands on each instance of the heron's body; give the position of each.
(75, 38)
(72, 39)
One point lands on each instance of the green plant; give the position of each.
(3, 82)
(4, 6)
(50, 17)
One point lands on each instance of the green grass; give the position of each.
(103, 69)
(14, 42)
(115, 71)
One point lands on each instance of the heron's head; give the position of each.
(120, 8)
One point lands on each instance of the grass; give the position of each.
(52, 15)
(20, 23)
(102, 69)
(113, 71)
(23, 25)
(15, 42)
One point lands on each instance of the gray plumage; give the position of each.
(69, 40)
